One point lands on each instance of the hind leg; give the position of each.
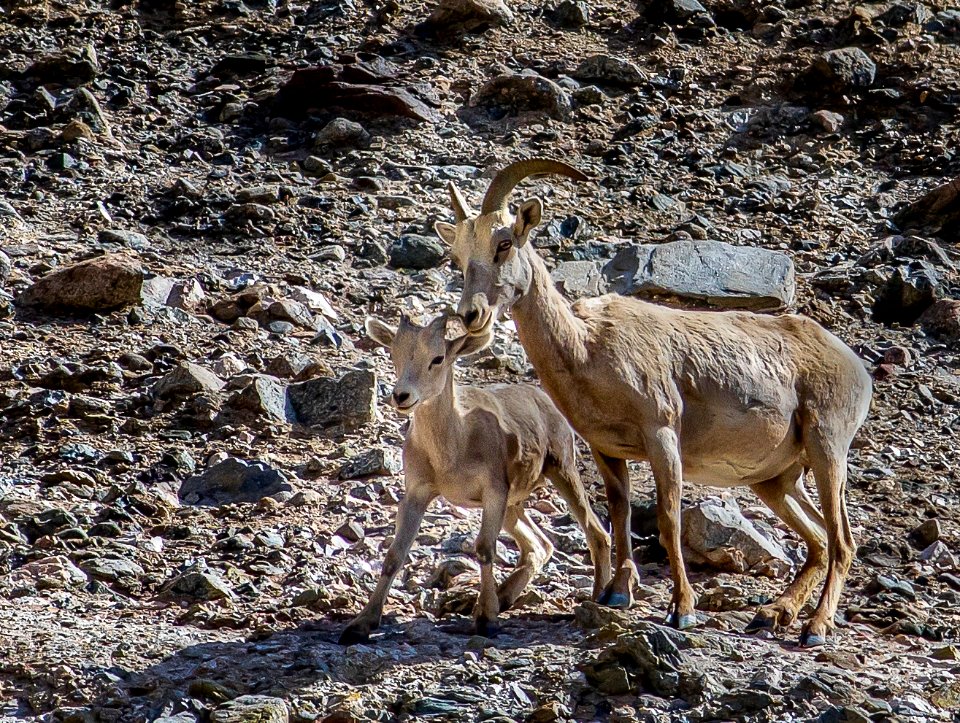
(535, 551)
(567, 482)
(828, 460)
(788, 499)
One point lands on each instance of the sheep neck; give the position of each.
(552, 336)
(438, 421)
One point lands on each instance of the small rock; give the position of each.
(377, 461)
(130, 239)
(898, 356)
(467, 15)
(264, 397)
(351, 531)
(234, 480)
(100, 284)
(49, 573)
(196, 586)
(342, 133)
(112, 569)
(942, 320)
(841, 71)
(926, 533)
(610, 69)
(514, 93)
(717, 534)
(572, 14)
(349, 401)
(252, 709)
(188, 378)
(907, 294)
(5, 266)
(316, 166)
(828, 120)
(416, 252)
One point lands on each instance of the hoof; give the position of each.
(612, 599)
(682, 622)
(810, 640)
(760, 622)
(352, 636)
(486, 628)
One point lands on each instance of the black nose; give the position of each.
(401, 397)
(471, 317)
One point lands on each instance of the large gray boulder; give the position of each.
(705, 273)
(234, 480)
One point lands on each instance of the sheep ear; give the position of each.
(528, 216)
(381, 333)
(468, 344)
(446, 231)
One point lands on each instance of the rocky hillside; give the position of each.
(201, 201)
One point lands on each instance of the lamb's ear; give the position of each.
(446, 231)
(528, 216)
(468, 344)
(381, 333)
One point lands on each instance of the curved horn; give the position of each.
(460, 208)
(507, 179)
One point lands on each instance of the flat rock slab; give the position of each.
(252, 709)
(708, 273)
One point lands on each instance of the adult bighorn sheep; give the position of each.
(488, 448)
(718, 398)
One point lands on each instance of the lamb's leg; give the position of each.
(616, 481)
(788, 499)
(494, 511)
(828, 460)
(567, 481)
(663, 449)
(535, 551)
(411, 510)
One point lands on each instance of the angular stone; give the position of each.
(264, 397)
(718, 535)
(467, 15)
(5, 266)
(514, 93)
(252, 709)
(100, 284)
(342, 133)
(378, 461)
(937, 210)
(188, 378)
(579, 278)
(907, 294)
(49, 573)
(111, 569)
(348, 402)
(611, 70)
(233, 480)
(130, 239)
(416, 252)
(195, 586)
(841, 70)
(711, 273)
(942, 320)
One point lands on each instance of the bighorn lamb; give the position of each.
(718, 398)
(488, 448)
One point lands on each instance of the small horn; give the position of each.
(460, 208)
(508, 178)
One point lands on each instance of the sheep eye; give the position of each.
(504, 245)
(436, 360)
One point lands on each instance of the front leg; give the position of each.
(663, 449)
(488, 604)
(410, 514)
